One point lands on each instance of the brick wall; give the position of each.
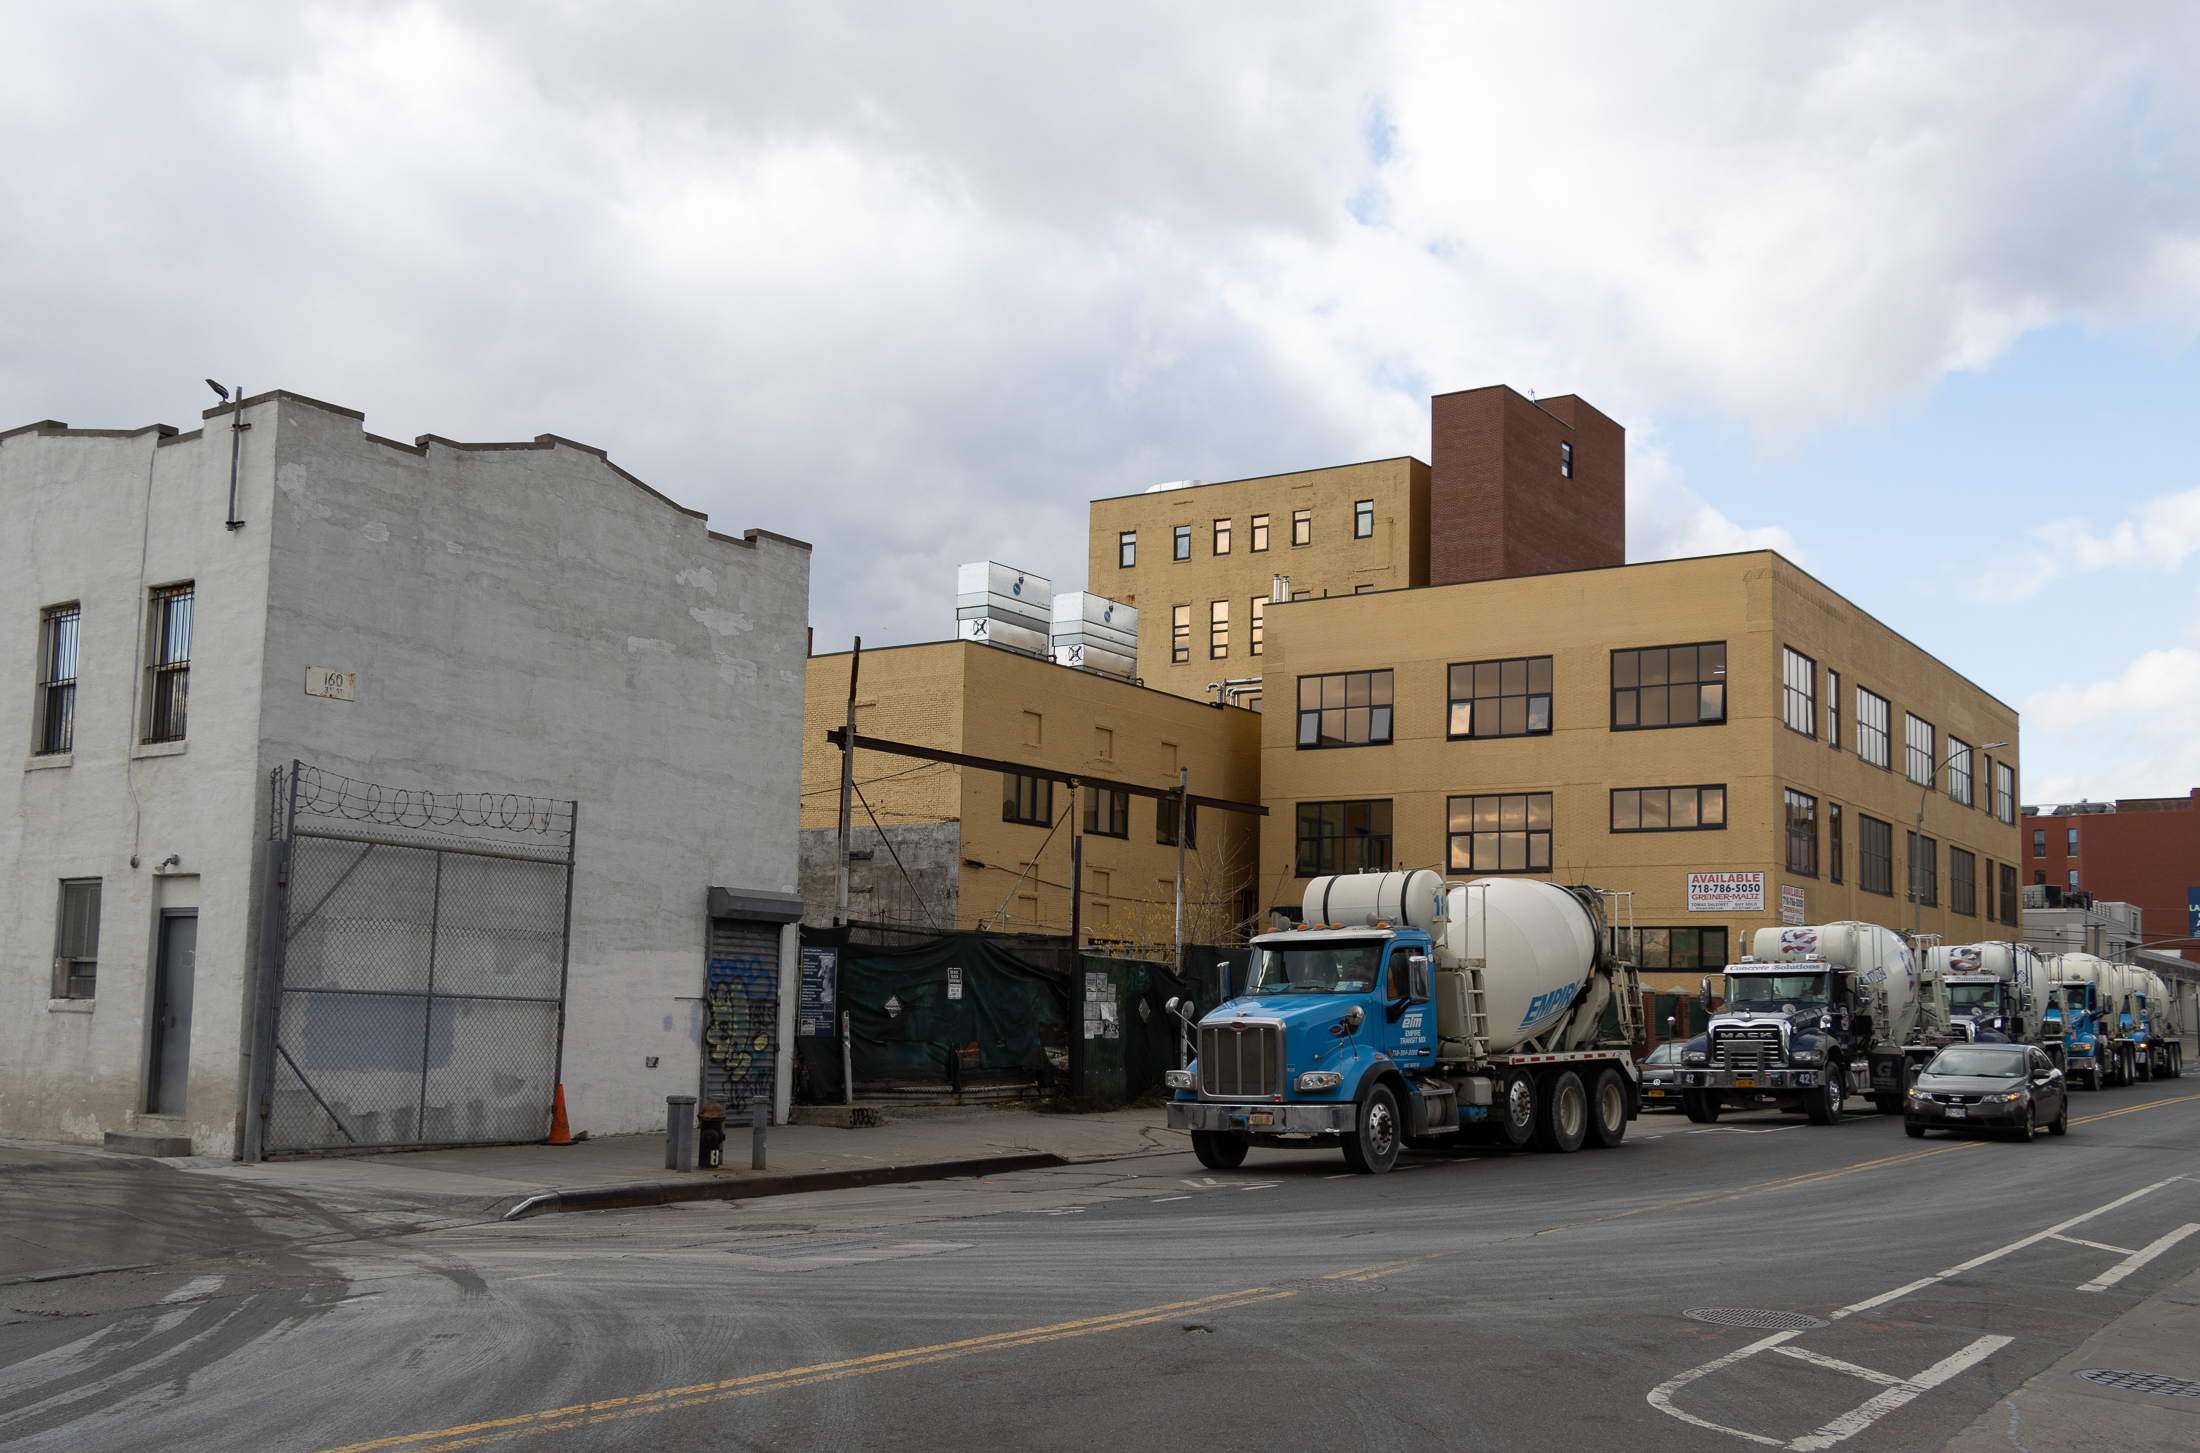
(1499, 505)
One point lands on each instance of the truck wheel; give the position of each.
(1219, 1149)
(1373, 1148)
(1824, 1104)
(1701, 1107)
(1514, 1112)
(1607, 1110)
(1562, 1119)
(1887, 1104)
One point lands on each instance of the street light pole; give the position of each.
(1917, 899)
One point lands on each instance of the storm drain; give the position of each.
(2153, 1382)
(1762, 1321)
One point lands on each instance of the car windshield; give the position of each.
(1315, 968)
(1773, 991)
(1668, 1053)
(1984, 1061)
(1962, 998)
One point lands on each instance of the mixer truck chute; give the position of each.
(1408, 1010)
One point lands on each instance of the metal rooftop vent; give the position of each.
(999, 605)
(1094, 633)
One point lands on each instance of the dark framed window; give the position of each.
(1164, 822)
(1183, 547)
(2005, 793)
(1363, 519)
(1222, 537)
(2070, 842)
(1798, 691)
(1565, 459)
(1260, 534)
(1963, 882)
(1350, 709)
(1027, 799)
(1802, 833)
(1180, 634)
(1344, 837)
(1504, 833)
(1107, 812)
(1833, 709)
(2039, 842)
(1254, 623)
(1674, 948)
(2009, 894)
(1874, 855)
(76, 940)
(1918, 760)
(1833, 841)
(1669, 686)
(1302, 527)
(1871, 728)
(1500, 698)
(1924, 870)
(1669, 809)
(57, 680)
(168, 701)
(1218, 630)
(1126, 549)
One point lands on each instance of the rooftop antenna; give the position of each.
(237, 426)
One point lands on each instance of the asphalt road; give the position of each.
(1494, 1301)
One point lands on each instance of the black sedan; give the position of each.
(2009, 1089)
(1661, 1076)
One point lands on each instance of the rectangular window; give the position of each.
(1180, 634)
(1669, 809)
(1565, 460)
(1918, 761)
(1871, 728)
(1802, 833)
(1351, 709)
(56, 727)
(1833, 841)
(2009, 894)
(2005, 794)
(1344, 837)
(1260, 533)
(2070, 837)
(2039, 842)
(168, 700)
(1669, 686)
(1959, 771)
(1798, 691)
(2073, 877)
(1218, 630)
(1501, 698)
(1833, 708)
(1255, 622)
(1107, 812)
(1874, 855)
(1183, 542)
(1302, 527)
(1027, 799)
(1924, 870)
(1363, 519)
(1164, 824)
(1222, 537)
(1676, 949)
(1963, 882)
(1126, 549)
(1503, 834)
(76, 940)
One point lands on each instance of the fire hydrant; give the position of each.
(711, 1132)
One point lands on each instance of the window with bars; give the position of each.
(1501, 833)
(1183, 545)
(1917, 756)
(1222, 537)
(168, 700)
(1363, 519)
(1126, 549)
(1351, 709)
(1802, 833)
(1508, 698)
(1255, 620)
(1959, 771)
(1874, 855)
(1963, 882)
(2005, 795)
(1833, 708)
(1798, 691)
(1669, 809)
(1107, 812)
(1164, 822)
(1180, 634)
(1669, 686)
(1924, 870)
(76, 940)
(1871, 728)
(56, 728)
(1833, 841)
(1218, 630)
(1027, 799)
(1260, 534)
(1302, 527)
(1344, 837)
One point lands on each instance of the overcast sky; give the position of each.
(1906, 291)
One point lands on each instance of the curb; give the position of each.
(666, 1193)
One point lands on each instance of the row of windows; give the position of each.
(1223, 530)
(2039, 843)
(1986, 784)
(1875, 860)
(1218, 630)
(168, 672)
(1030, 800)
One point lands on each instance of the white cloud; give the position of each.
(2159, 535)
(2128, 736)
(1666, 520)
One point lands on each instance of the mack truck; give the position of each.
(1984, 993)
(2081, 1012)
(1407, 1010)
(1813, 1016)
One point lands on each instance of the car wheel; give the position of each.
(1915, 1132)
(2061, 1123)
(1373, 1148)
(1607, 1110)
(2022, 1134)
(1219, 1149)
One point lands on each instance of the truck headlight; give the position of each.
(1316, 1080)
(1181, 1080)
(1808, 1057)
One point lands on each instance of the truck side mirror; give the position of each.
(1703, 994)
(1417, 973)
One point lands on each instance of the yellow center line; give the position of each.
(498, 1430)
(2134, 1109)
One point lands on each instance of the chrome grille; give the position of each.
(1238, 1062)
(1746, 1049)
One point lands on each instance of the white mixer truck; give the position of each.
(1984, 993)
(1404, 1010)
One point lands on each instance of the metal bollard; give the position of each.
(680, 1132)
(760, 1115)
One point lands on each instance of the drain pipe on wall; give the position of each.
(237, 426)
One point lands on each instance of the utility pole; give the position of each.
(1183, 831)
(847, 786)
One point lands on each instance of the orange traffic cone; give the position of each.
(560, 1132)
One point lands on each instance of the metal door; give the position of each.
(741, 1027)
(175, 976)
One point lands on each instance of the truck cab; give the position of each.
(1788, 1034)
(2072, 1018)
(1982, 1009)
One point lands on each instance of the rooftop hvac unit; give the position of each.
(1094, 633)
(999, 605)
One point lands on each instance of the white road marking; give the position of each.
(2137, 1259)
(1849, 1424)
(193, 1289)
(1339, 1176)
(1835, 1364)
(2096, 1245)
(1261, 1186)
(1158, 1200)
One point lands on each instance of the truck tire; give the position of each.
(1607, 1110)
(1887, 1104)
(1702, 1108)
(1219, 1149)
(1562, 1114)
(1825, 1102)
(1373, 1148)
(1513, 1116)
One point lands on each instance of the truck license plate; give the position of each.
(1744, 1082)
(1957, 1112)
(1655, 1094)
(1260, 1117)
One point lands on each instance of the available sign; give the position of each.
(1726, 892)
(1791, 904)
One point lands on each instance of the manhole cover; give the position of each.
(1751, 1317)
(2153, 1382)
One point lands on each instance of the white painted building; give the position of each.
(526, 623)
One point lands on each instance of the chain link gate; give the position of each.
(415, 992)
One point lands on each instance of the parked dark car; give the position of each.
(2009, 1089)
(1661, 1077)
